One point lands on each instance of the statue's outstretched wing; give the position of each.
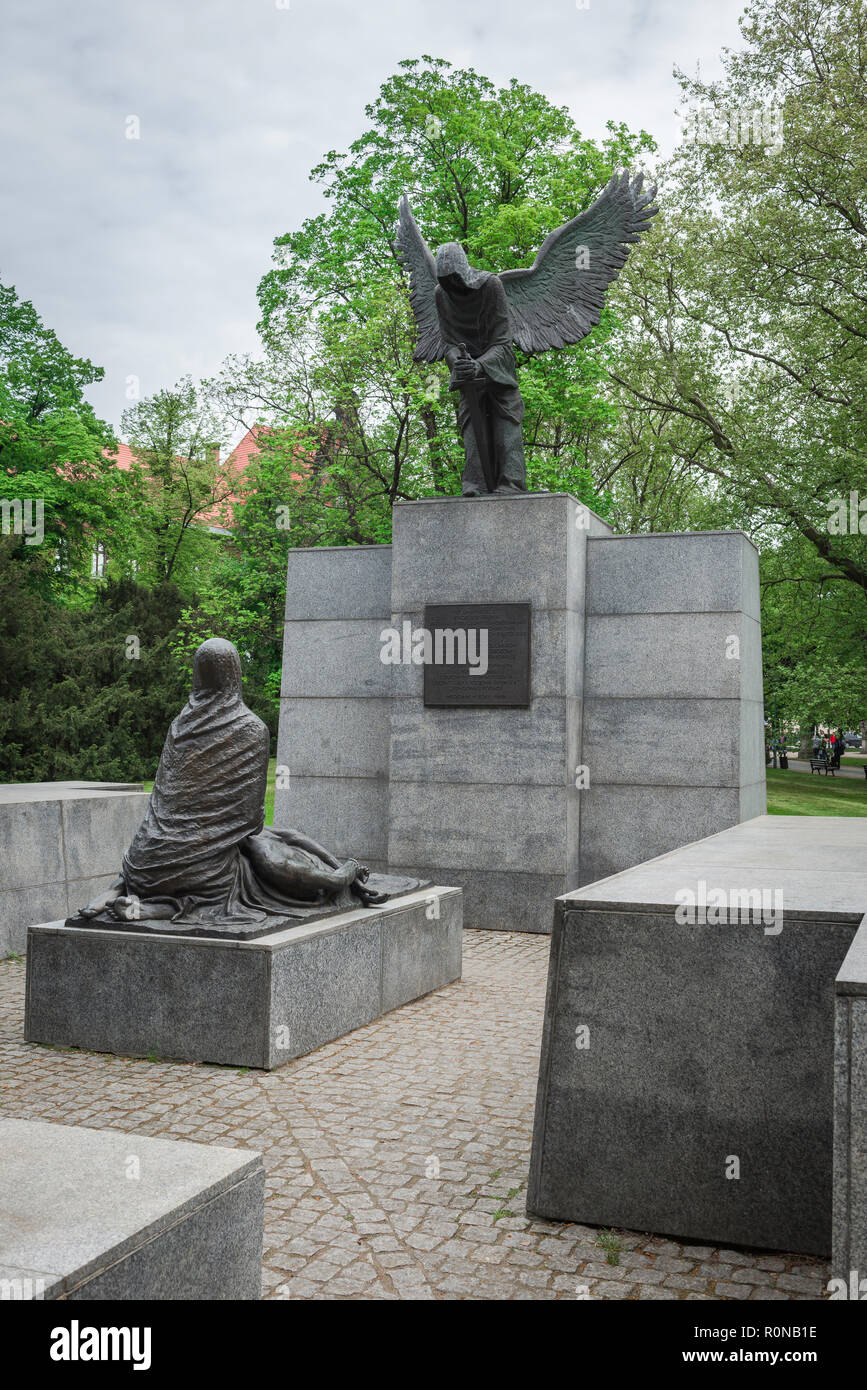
(558, 300)
(415, 256)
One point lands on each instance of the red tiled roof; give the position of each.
(234, 468)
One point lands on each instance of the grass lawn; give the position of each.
(814, 794)
(269, 793)
(789, 794)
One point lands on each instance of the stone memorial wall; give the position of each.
(633, 724)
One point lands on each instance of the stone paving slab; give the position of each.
(396, 1158)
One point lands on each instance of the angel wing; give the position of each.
(559, 299)
(414, 255)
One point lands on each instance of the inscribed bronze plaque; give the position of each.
(477, 655)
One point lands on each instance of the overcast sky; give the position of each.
(144, 255)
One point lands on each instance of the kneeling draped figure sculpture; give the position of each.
(202, 862)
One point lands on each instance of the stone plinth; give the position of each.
(644, 723)
(686, 1083)
(61, 843)
(242, 1003)
(486, 797)
(99, 1214)
(849, 1251)
(673, 700)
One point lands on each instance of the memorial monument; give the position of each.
(225, 941)
(510, 697)
(471, 318)
(201, 863)
(702, 1066)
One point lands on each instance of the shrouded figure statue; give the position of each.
(474, 323)
(201, 859)
(471, 318)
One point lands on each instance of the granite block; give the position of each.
(491, 550)
(652, 742)
(188, 998)
(751, 593)
(421, 951)
(528, 746)
(214, 1254)
(626, 825)
(662, 573)
(253, 1003)
(340, 657)
(98, 830)
(21, 907)
(709, 1042)
(753, 800)
(696, 1059)
(340, 737)
(349, 582)
(31, 844)
(500, 900)
(752, 679)
(349, 815)
(512, 826)
(751, 739)
(656, 655)
(100, 1214)
(324, 984)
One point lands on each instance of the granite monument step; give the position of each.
(255, 1003)
(687, 1077)
(100, 1214)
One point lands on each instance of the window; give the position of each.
(97, 561)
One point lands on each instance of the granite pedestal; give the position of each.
(252, 1003)
(98, 1214)
(643, 725)
(849, 1250)
(686, 1083)
(61, 843)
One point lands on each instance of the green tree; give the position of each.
(86, 692)
(742, 351)
(53, 453)
(243, 596)
(493, 169)
(176, 437)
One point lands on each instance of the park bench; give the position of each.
(820, 765)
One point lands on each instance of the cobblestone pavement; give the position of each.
(397, 1157)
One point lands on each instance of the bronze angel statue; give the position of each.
(472, 318)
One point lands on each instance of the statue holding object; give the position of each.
(472, 318)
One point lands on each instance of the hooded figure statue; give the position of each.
(202, 859)
(474, 324)
(471, 317)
